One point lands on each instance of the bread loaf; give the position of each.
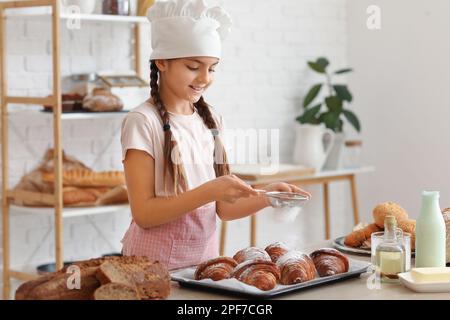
(54, 287)
(87, 178)
(148, 280)
(101, 100)
(151, 280)
(115, 291)
(388, 208)
(82, 196)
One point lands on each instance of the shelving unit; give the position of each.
(59, 212)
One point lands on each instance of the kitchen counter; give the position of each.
(351, 289)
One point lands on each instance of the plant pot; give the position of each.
(334, 160)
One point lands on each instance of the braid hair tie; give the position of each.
(166, 127)
(215, 132)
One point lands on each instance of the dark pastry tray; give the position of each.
(185, 277)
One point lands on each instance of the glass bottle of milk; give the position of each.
(430, 232)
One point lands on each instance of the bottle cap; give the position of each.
(430, 194)
(390, 220)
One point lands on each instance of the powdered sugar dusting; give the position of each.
(291, 256)
(278, 244)
(254, 253)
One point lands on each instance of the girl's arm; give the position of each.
(245, 207)
(150, 211)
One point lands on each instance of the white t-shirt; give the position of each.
(142, 129)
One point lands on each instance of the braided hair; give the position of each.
(171, 151)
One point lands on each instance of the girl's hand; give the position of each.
(285, 187)
(230, 188)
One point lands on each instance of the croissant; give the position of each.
(357, 237)
(329, 262)
(296, 267)
(276, 250)
(262, 274)
(215, 269)
(251, 253)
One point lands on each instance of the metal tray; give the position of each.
(339, 244)
(185, 277)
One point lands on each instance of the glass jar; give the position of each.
(116, 7)
(352, 155)
(83, 84)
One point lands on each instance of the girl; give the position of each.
(175, 163)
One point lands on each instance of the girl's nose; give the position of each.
(204, 77)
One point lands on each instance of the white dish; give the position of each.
(408, 281)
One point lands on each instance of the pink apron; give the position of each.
(187, 241)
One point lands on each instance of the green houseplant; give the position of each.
(338, 94)
(329, 111)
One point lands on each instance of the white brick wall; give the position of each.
(260, 84)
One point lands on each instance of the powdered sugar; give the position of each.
(254, 253)
(291, 256)
(278, 244)
(285, 214)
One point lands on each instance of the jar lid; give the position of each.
(84, 77)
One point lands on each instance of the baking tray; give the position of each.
(185, 277)
(339, 244)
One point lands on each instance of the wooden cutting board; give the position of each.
(254, 172)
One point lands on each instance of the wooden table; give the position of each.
(322, 177)
(350, 289)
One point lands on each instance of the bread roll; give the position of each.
(409, 226)
(388, 208)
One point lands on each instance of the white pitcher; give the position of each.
(310, 148)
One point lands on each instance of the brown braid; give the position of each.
(221, 166)
(175, 169)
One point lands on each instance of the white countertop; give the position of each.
(350, 289)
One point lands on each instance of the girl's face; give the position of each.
(188, 78)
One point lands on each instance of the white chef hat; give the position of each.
(187, 28)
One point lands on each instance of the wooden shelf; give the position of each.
(71, 212)
(83, 17)
(71, 116)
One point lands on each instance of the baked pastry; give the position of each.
(102, 100)
(118, 194)
(88, 178)
(54, 287)
(296, 267)
(388, 208)
(329, 262)
(262, 274)
(276, 250)
(82, 196)
(215, 269)
(115, 291)
(251, 253)
(409, 226)
(358, 237)
(151, 280)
